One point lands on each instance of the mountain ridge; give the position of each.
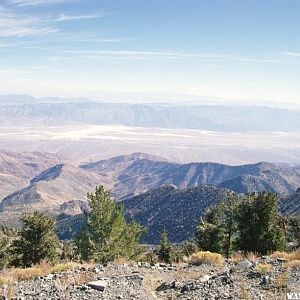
(138, 175)
(151, 115)
(62, 188)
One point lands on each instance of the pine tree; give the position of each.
(294, 229)
(36, 241)
(4, 247)
(67, 251)
(209, 234)
(261, 228)
(165, 249)
(228, 210)
(105, 234)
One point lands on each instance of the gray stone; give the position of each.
(186, 288)
(253, 274)
(98, 285)
(245, 264)
(166, 286)
(265, 280)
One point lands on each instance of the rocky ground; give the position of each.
(233, 280)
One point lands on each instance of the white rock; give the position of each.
(204, 278)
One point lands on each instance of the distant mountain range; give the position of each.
(137, 173)
(20, 110)
(36, 181)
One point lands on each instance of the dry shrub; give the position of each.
(291, 256)
(292, 264)
(206, 257)
(123, 262)
(7, 292)
(252, 256)
(82, 278)
(17, 274)
(5, 280)
(244, 294)
(237, 257)
(281, 280)
(43, 269)
(27, 273)
(63, 267)
(263, 268)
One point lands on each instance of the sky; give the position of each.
(181, 50)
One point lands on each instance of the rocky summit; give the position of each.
(258, 278)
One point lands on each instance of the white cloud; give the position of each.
(15, 25)
(297, 54)
(22, 3)
(63, 17)
(130, 53)
(25, 31)
(169, 55)
(104, 40)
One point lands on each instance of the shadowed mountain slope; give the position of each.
(274, 180)
(177, 210)
(291, 204)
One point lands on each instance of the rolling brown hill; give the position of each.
(17, 169)
(52, 189)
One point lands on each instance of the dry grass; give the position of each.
(123, 262)
(237, 257)
(28, 273)
(206, 257)
(63, 267)
(244, 294)
(7, 292)
(263, 268)
(281, 280)
(82, 278)
(252, 256)
(5, 280)
(291, 256)
(19, 274)
(292, 264)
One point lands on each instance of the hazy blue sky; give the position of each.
(240, 49)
